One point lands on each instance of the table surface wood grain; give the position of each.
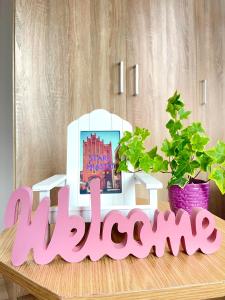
(182, 277)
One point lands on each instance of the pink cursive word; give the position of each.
(73, 244)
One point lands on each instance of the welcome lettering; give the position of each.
(73, 244)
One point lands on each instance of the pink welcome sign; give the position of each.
(73, 244)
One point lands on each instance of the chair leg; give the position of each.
(153, 199)
(14, 291)
(10, 288)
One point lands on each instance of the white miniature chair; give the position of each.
(93, 131)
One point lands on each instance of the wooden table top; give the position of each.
(182, 277)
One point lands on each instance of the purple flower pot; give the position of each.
(194, 194)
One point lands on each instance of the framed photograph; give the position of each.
(98, 158)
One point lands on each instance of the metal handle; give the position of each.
(204, 92)
(121, 79)
(136, 80)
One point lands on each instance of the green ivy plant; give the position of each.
(184, 154)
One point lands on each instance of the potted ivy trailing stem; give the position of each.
(184, 155)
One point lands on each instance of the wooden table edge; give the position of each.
(195, 291)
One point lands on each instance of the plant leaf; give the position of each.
(173, 126)
(194, 164)
(167, 148)
(142, 132)
(181, 181)
(122, 166)
(126, 137)
(159, 164)
(174, 104)
(183, 114)
(152, 152)
(205, 162)
(165, 166)
(198, 142)
(173, 164)
(217, 153)
(182, 169)
(190, 130)
(218, 176)
(122, 149)
(146, 163)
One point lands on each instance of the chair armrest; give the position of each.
(50, 183)
(149, 181)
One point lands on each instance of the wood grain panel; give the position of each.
(211, 67)
(66, 64)
(162, 40)
(66, 55)
(108, 49)
(41, 89)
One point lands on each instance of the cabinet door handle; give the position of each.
(204, 91)
(121, 79)
(136, 80)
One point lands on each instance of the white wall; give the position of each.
(6, 110)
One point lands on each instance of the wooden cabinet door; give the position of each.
(107, 50)
(161, 39)
(210, 16)
(66, 64)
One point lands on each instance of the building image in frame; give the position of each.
(98, 155)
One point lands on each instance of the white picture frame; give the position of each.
(97, 120)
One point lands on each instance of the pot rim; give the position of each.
(190, 184)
